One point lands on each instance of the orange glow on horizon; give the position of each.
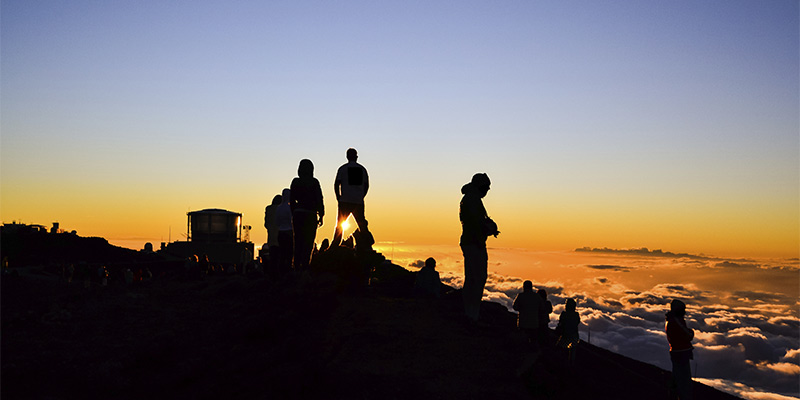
(131, 218)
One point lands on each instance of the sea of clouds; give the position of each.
(746, 341)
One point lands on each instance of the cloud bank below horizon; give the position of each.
(746, 340)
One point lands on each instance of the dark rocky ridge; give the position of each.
(307, 336)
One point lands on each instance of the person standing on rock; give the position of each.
(680, 349)
(351, 186)
(476, 226)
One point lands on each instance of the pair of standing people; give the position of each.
(534, 313)
(304, 202)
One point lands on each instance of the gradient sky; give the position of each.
(667, 125)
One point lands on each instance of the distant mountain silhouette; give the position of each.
(30, 247)
(258, 336)
(644, 251)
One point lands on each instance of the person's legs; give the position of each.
(365, 239)
(682, 375)
(308, 239)
(533, 338)
(297, 228)
(544, 336)
(475, 274)
(342, 215)
(272, 263)
(305, 230)
(361, 220)
(285, 251)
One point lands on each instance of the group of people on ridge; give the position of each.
(294, 216)
(534, 317)
(533, 307)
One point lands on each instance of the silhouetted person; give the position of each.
(245, 259)
(86, 272)
(324, 245)
(544, 317)
(307, 213)
(680, 349)
(205, 267)
(529, 305)
(271, 223)
(258, 265)
(567, 329)
(283, 217)
(191, 266)
(476, 226)
(351, 186)
(427, 283)
(102, 275)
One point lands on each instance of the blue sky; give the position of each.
(674, 110)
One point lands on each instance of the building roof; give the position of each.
(213, 211)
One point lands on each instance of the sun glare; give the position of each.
(345, 225)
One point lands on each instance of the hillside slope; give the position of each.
(306, 336)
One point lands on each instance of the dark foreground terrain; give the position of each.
(307, 336)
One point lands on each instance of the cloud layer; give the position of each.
(746, 341)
